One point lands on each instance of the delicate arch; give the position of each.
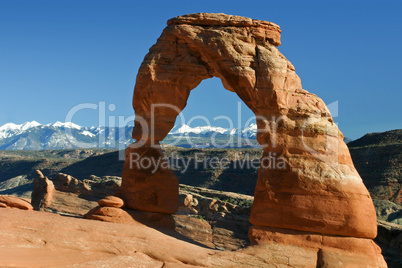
(318, 188)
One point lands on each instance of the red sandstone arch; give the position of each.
(319, 190)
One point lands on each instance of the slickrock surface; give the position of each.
(210, 221)
(50, 240)
(71, 204)
(314, 186)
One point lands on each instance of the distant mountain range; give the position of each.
(248, 132)
(35, 136)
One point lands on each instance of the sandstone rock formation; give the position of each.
(315, 188)
(100, 186)
(67, 195)
(43, 191)
(110, 210)
(9, 201)
(148, 189)
(355, 252)
(127, 216)
(111, 201)
(67, 183)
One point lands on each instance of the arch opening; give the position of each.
(227, 154)
(213, 118)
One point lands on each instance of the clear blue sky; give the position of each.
(57, 54)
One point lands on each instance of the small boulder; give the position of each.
(134, 217)
(111, 201)
(187, 204)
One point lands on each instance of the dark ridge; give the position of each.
(378, 139)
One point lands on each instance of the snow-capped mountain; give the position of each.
(65, 125)
(210, 136)
(185, 129)
(248, 132)
(59, 135)
(11, 129)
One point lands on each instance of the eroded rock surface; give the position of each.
(315, 188)
(49, 240)
(43, 191)
(9, 201)
(99, 186)
(111, 201)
